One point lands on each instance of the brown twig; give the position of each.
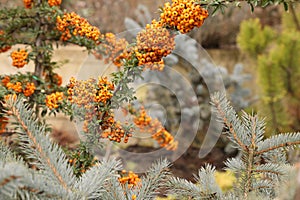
(8, 180)
(231, 129)
(282, 145)
(294, 16)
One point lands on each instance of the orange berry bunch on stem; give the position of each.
(91, 92)
(115, 132)
(5, 81)
(54, 2)
(29, 89)
(114, 48)
(72, 24)
(5, 48)
(154, 43)
(94, 97)
(53, 100)
(19, 58)
(142, 120)
(146, 124)
(18, 87)
(130, 178)
(104, 91)
(83, 94)
(162, 136)
(184, 15)
(157, 40)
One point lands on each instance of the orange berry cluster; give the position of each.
(70, 87)
(53, 100)
(89, 95)
(104, 90)
(112, 129)
(18, 88)
(19, 58)
(5, 47)
(54, 2)
(152, 44)
(86, 93)
(27, 3)
(5, 81)
(115, 132)
(183, 14)
(162, 136)
(72, 24)
(82, 94)
(146, 124)
(114, 48)
(130, 178)
(142, 120)
(29, 89)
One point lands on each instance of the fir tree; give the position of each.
(260, 168)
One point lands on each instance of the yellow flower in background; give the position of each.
(225, 180)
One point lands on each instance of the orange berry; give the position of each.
(19, 58)
(29, 89)
(27, 3)
(54, 2)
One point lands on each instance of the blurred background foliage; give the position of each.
(276, 61)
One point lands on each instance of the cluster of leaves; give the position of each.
(221, 5)
(81, 159)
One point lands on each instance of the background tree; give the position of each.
(277, 55)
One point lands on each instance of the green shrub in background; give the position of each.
(277, 58)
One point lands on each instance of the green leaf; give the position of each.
(252, 7)
(286, 6)
(44, 112)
